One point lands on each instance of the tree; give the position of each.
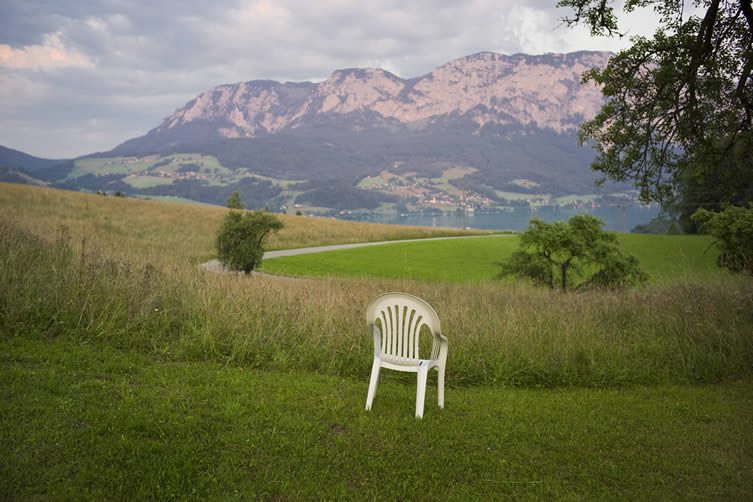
(712, 186)
(677, 101)
(732, 230)
(234, 201)
(556, 254)
(240, 240)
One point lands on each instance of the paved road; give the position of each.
(322, 249)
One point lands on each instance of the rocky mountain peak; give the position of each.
(484, 88)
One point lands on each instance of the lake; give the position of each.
(518, 218)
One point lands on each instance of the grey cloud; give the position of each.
(149, 58)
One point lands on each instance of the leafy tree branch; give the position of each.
(679, 99)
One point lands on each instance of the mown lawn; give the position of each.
(664, 257)
(88, 421)
(456, 260)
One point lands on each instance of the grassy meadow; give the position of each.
(128, 372)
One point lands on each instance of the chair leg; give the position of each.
(372, 384)
(440, 386)
(421, 390)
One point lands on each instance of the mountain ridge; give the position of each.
(498, 123)
(494, 81)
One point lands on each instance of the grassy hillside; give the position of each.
(171, 232)
(129, 373)
(665, 258)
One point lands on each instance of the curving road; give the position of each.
(334, 247)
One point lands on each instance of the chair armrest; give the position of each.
(439, 347)
(443, 345)
(377, 340)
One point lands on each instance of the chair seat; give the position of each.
(407, 365)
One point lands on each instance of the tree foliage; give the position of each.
(679, 100)
(234, 201)
(559, 254)
(715, 185)
(240, 240)
(732, 230)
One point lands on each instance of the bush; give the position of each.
(240, 241)
(553, 254)
(732, 230)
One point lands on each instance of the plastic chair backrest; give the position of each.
(401, 317)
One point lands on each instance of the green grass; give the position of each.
(370, 181)
(127, 373)
(172, 199)
(665, 258)
(138, 181)
(500, 334)
(143, 171)
(88, 421)
(569, 199)
(675, 257)
(520, 195)
(460, 260)
(114, 165)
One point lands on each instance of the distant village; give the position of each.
(424, 194)
(413, 193)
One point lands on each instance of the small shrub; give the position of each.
(240, 241)
(732, 230)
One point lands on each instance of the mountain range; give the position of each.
(487, 124)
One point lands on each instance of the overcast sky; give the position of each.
(83, 76)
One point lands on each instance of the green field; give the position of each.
(570, 199)
(129, 373)
(139, 181)
(156, 170)
(82, 421)
(665, 258)
(521, 195)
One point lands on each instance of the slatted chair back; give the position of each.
(397, 319)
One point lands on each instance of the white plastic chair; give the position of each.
(396, 320)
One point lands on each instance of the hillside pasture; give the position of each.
(113, 165)
(167, 232)
(146, 181)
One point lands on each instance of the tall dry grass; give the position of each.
(172, 233)
(499, 334)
